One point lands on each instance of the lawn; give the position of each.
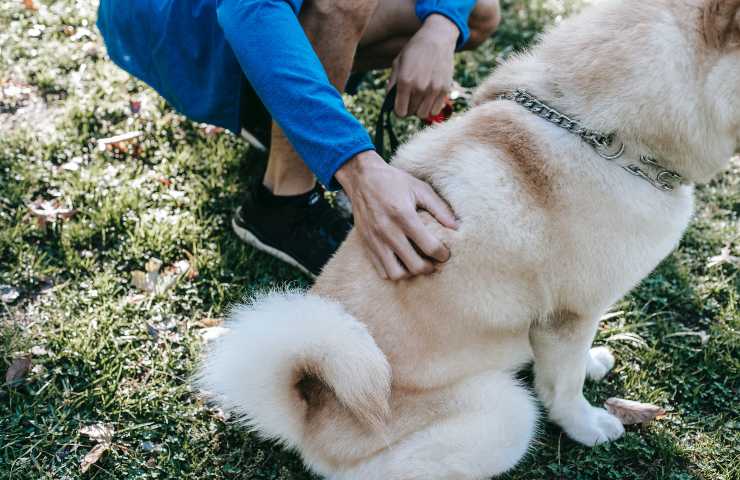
(99, 369)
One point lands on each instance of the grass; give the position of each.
(101, 353)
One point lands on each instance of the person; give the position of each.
(242, 63)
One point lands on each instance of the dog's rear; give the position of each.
(290, 356)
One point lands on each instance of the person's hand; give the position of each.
(423, 70)
(384, 203)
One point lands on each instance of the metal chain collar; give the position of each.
(605, 145)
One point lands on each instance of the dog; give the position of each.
(572, 176)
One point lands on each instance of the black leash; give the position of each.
(385, 125)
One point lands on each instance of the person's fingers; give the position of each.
(423, 238)
(391, 264)
(415, 264)
(428, 199)
(372, 249)
(415, 100)
(439, 103)
(425, 109)
(403, 95)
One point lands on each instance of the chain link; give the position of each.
(604, 144)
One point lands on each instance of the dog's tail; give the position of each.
(284, 353)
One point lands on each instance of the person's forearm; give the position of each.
(457, 11)
(286, 73)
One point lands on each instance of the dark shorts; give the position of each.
(254, 117)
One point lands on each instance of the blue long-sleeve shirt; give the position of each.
(194, 52)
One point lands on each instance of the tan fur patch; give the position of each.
(721, 23)
(314, 392)
(508, 134)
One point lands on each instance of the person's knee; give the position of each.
(354, 13)
(484, 20)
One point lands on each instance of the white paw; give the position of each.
(600, 362)
(592, 426)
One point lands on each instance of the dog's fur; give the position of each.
(370, 379)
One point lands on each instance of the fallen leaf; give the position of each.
(630, 413)
(8, 294)
(30, 5)
(211, 322)
(118, 141)
(725, 257)
(93, 456)
(135, 299)
(49, 211)
(211, 130)
(153, 280)
(18, 370)
(99, 432)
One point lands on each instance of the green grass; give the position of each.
(108, 359)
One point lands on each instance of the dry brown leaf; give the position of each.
(49, 211)
(211, 130)
(118, 141)
(155, 281)
(630, 413)
(99, 432)
(211, 322)
(30, 5)
(93, 456)
(18, 369)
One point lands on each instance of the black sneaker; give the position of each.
(303, 231)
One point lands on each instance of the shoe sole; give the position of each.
(251, 239)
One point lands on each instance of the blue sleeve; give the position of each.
(282, 67)
(458, 11)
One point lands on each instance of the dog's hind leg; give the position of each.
(488, 430)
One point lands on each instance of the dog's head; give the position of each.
(720, 28)
(663, 74)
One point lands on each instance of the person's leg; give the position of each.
(395, 22)
(360, 35)
(287, 216)
(334, 29)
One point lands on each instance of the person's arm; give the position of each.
(282, 67)
(457, 11)
(423, 70)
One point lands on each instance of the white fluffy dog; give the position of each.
(572, 177)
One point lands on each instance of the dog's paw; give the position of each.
(592, 426)
(600, 362)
